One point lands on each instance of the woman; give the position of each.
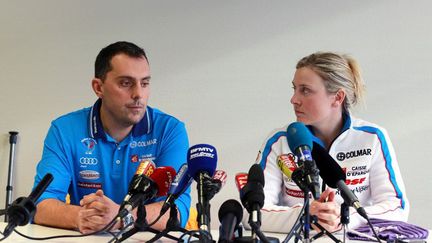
(326, 86)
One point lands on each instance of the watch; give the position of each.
(127, 221)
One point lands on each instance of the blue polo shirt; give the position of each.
(83, 158)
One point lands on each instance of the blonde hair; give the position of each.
(338, 72)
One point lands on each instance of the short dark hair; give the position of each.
(103, 59)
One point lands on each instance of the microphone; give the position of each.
(252, 194)
(215, 184)
(202, 160)
(286, 163)
(333, 175)
(155, 182)
(252, 198)
(251, 188)
(22, 210)
(220, 177)
(181, 182)
(156, 185)
(230, 215)
(163, 177)
(300, 142)
(241, 180)
(141, 187)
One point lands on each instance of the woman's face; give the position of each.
(313, 105)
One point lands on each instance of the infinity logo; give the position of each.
(88, 161)
(133, 144)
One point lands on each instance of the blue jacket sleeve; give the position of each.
(55, 161)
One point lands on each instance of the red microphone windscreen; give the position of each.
(241, 180)
(221, 176)
(163, 177)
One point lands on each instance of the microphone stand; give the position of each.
(12, 141)
(255, 224)
(172, 224)
(304, 225)
(141, 224)
(345, 218)
(203, 208)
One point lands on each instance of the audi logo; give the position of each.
(88, 161)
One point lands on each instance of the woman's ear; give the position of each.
(97, 87)
(339, 97)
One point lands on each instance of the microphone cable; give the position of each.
(115, 236)
(196, 234)
(103, 230)
(258, 231)
(171, 225)
(192, 233)
(157, 232)
(156, 220)
(373, 229)
(300, 215)
(4, 237)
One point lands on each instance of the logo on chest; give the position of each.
(85, 161)
(341, 156)
(138, 144)
(134, 158)
(90, 144)
(89, 174)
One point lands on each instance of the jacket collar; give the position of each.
(346, 125)
(96, 128)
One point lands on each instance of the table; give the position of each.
(43, 231)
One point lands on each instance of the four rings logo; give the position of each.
(88, 161)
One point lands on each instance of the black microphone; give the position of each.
(252, 197)
(23, 209)
(141, 188)
(252, 194)
(334, 177)
(214, 185)
(230, 215)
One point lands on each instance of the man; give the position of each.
(94, 152)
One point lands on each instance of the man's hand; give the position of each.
(96, 212)
(327, 211)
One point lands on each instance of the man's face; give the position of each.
(125, 91)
